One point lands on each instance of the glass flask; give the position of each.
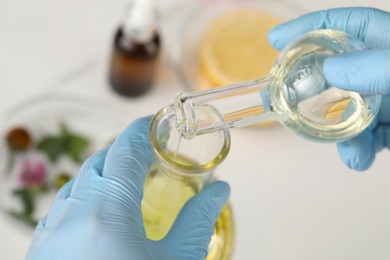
(180, 169)
(294, 93)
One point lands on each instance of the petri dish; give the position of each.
(246, 49)
(29, 179)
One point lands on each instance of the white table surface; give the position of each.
(293, 199)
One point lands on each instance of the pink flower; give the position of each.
(33, 174)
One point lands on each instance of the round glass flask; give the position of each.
(294, 93)
(180, 169)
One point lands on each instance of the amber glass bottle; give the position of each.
(135, 51)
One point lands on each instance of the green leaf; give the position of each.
(76, 147)
(66, 143)
(64, 131)
(27, 199)
(25, 218)
(52, 146)
(75, 144)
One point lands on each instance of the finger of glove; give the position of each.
(370, 25)
(359, 152)
(62, 194)
(190, 235)
(124, 175)
(128, 158)
(65, 190)
(74, 186)
(382, 137)
(366, 72)
(90, 170)
(384, 114)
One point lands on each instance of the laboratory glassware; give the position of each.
(294, 93)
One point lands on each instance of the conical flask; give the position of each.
(295, 93)
(180, 169)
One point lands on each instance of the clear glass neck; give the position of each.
(236, 105)
(181, 157)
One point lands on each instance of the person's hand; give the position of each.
(366, 72)
(98, 214)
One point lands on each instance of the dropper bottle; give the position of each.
(295, 93)
(135, 51)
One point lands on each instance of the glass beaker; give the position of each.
(294, 93)
(180, 169)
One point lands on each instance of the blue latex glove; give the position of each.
(364, 71)
(98, 214)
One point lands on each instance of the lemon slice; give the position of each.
(336, 111)
(235, 48)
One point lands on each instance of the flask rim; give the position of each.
(184, 169)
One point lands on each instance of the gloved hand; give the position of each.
(364, 71)
(97, 215)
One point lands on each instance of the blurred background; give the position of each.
(293, 199)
